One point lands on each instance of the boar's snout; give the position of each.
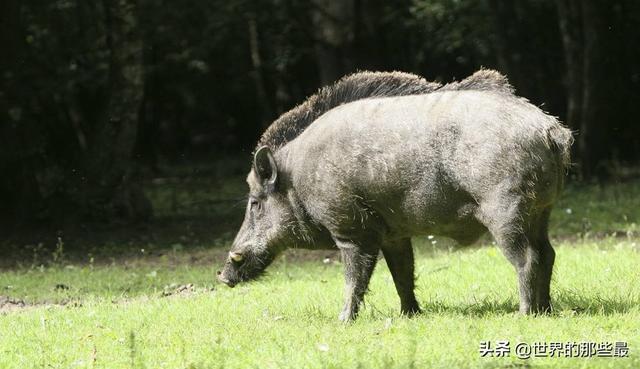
(243, 265)
(230, 274)
(224, 280)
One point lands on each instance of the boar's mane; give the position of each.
(363, 85)
(482, 80)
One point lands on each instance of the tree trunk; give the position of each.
(112, 190)
(146, 148)
(583, 32)
(593, 139)
(266, 113)
(19, 193)
(334, 28)
(570, 21)
(503, 19)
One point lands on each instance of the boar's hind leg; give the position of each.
(521, 253)
(518, 234)
(399, 258)
(547, 258)
(358, 267)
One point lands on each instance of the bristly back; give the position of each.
(350, 88)
(364, 85)
(482, 80)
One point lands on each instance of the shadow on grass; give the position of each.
(561, 305)
(479, 309)
(596, 306)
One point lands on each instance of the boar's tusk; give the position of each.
(236, 256)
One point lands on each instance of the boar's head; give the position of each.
(268, 226)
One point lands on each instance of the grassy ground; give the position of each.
(158, 312)
(593, 211)
(157, 305)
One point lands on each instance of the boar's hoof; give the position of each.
(347, 316)
(543, 309)
(536, 310)
(410, 311)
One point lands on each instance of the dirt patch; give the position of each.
(8, 305)
(179, 290)
(11, 305)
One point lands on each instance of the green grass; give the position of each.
(117, 316)
(145, 296)
(587, 211)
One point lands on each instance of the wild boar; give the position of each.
(377, 158)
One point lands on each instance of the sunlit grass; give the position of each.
(157, 306)
(143, 315)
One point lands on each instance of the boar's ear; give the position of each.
(265, 167)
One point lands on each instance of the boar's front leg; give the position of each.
(399, 258)
(358, 267)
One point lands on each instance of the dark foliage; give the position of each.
(94, 94)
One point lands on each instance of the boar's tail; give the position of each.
(560, 139)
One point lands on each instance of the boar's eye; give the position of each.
(254, 203)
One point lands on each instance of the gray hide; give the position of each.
(377, 158)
